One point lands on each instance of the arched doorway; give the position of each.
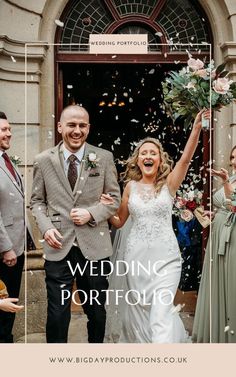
(123, 92)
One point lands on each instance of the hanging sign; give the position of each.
(118, 43)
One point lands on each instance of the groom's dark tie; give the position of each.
(9, 164)
(72, 171)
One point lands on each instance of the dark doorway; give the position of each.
(125, 105)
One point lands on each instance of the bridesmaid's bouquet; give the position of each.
(195, 87)
(186, 203)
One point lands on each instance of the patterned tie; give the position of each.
(9, 164)
(72, 171)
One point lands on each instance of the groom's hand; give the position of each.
(80, 216)
(51, 236)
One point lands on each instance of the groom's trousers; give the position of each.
(59, 281)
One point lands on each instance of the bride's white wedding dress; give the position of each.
(148, 314)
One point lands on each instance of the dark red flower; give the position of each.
(191, 205)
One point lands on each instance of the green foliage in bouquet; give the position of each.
(196, 87)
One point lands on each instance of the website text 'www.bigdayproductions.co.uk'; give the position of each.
(119, 360)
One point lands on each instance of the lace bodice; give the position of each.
(151, 214)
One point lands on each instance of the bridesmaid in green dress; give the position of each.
(215, 316)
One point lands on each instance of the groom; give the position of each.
(69, 180)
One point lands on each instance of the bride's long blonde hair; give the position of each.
(133, 172)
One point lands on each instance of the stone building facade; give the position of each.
(30, 83)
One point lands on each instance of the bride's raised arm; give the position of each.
(177, 175)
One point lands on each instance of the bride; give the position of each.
(147, 314)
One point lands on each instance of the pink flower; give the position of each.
(213, 74)
(201, 72)
(186, 215)
(222, 85)
(195, 64)
(180, 202)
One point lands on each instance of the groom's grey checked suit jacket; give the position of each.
(12, 224)
(52, 200)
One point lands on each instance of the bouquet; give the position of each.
(185, 204)
(195, 87)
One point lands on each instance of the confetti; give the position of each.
(117, 141)
(113, 56)
(102, 233)
(159, 34)
(41, 241)
(13, 59)
(59, 23)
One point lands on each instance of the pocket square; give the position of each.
(94, 175)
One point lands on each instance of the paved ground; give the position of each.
(78, 329)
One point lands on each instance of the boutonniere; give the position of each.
(91, 161)
(15, 160)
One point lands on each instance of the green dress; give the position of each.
(215, 316)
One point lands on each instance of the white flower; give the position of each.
(222, 85)
(190, 195)
(199, 195)
(190, 85)
(195, 64)
(91, 161)
(92, 156)
(186, 215)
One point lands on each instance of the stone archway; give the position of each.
(47, 81)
